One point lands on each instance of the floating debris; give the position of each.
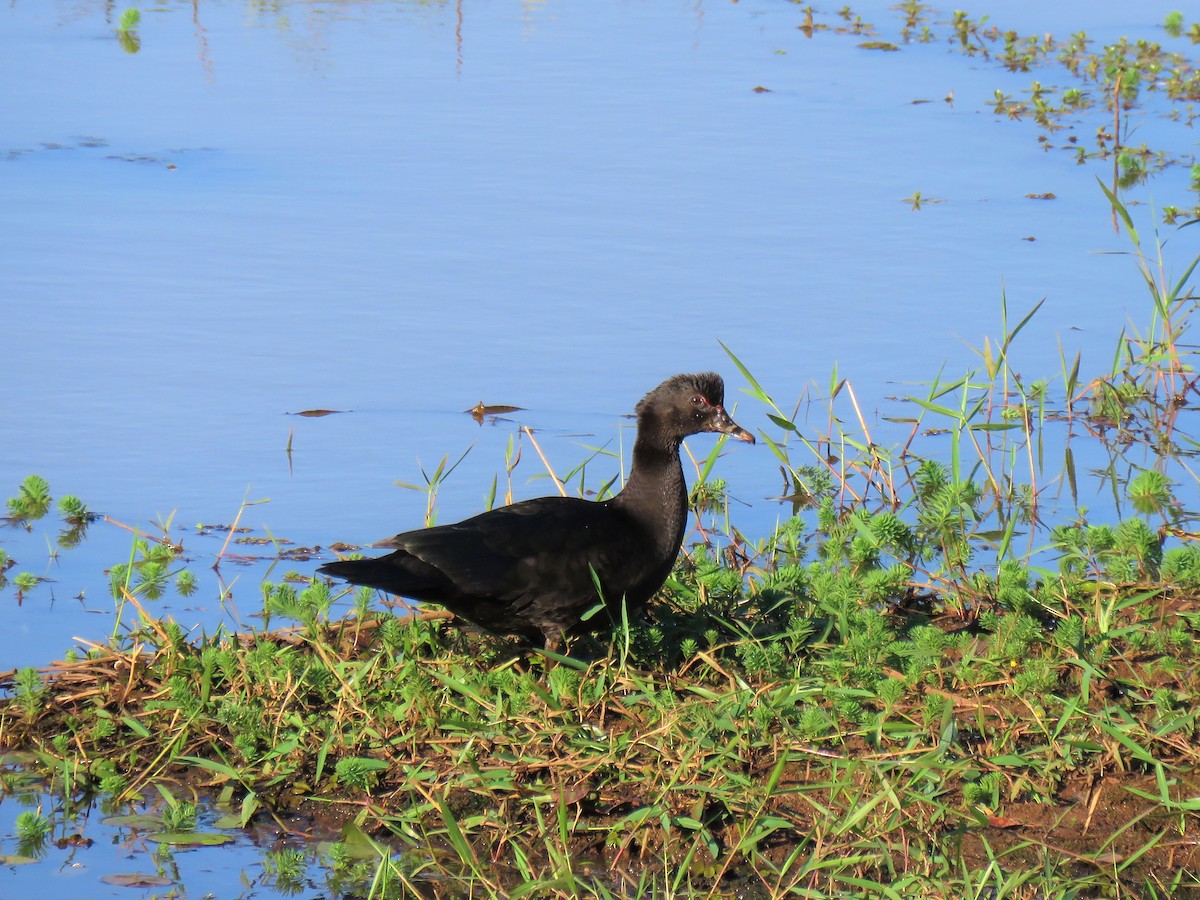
(480, 410)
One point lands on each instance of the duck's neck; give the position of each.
(656, 494)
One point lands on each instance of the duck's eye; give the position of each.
(699, 400)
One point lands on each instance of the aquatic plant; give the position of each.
(74, 510)
(1116, 86)
(33, 833)
(32, 500)
(286, 869)
(127, 35)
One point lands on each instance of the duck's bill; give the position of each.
(726, 425)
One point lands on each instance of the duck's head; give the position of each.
(688, 404)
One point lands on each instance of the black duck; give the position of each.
(535, 567)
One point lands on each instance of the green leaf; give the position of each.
(135, 726)
(1011, 759)
(756, 389)
(785, 424)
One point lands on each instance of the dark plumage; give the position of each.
(528, 568)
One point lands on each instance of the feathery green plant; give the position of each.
(32, 500)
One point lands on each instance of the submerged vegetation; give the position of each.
(1098, 103)
(925, 681)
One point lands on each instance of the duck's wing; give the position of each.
(535, 547)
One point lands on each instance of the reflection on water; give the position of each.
(53, 846)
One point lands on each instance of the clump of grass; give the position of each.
(286, 869)
(32, 500)
(25, 582)
(33, 833)
(185, 583)
(359, 773)
(30, 692)
(306, 606)
(146, 576)
(179, 816)
(74, 510)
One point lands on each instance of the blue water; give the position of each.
(240, 868)
(402, 209)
